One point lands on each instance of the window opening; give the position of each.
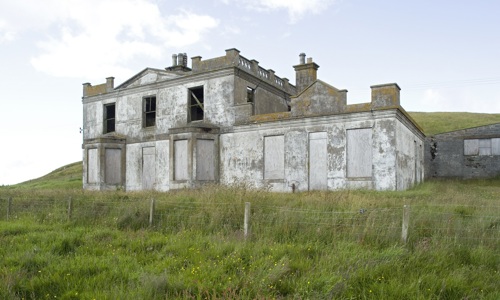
(150, 111)
(109, 118)
(250, 95)
(196, 104)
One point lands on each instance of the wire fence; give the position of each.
(415, 224)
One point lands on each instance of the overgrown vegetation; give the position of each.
(317, 245)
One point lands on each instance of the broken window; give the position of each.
(250, 95)
(196, 104)
(109, 118)
(149, 111)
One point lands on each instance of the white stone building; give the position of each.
(227, 120)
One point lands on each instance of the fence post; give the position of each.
(406, 221)
(151, 211)
(246, 224)
(9, 207)
(70, 208)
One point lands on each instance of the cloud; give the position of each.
(6, 34)
(95, 38)
(296, 8)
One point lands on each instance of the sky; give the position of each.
(445, 56)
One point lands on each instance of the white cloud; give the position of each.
(96, 38)
(296, 8)
(6, 34)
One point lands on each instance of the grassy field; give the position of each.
(60, 242)
(316, 245)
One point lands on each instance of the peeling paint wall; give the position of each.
(409, 157)
(268, 140)
(243, 152)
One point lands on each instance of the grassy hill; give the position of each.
(439, 122)
(66, 177)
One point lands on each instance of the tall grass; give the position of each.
(316, 245)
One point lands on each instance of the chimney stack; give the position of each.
(184, 59)
(179, 63)
(305, 73)
(180, 59)
(174, 60)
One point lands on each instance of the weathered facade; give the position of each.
(467, 153)
(227, 120)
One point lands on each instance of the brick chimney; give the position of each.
(305, 73)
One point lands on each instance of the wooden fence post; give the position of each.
(9, 207)
(246, 224)
(70, 208)
(406, 221)
(151, 211)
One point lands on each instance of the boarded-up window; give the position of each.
(181, 160)
(92, 166)
(148, 168)
(495, 146)
(471, 147)
(274, 157)
(113, 166)
(482, 146)
(318, 161)
(205, 160)
(485, 147)
(359, 152)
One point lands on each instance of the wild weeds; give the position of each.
(312, 245)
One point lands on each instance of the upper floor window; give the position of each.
(149, 111)
(250, 95)
(109, 117)
(196, 104)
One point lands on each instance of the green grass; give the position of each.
(439, 122)
(315, 245)
(66, 177)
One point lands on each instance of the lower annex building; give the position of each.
(229, 121)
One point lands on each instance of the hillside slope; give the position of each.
(439, 122)
(65, 177)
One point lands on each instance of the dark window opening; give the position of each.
(196, 104)
(250, 95)
(149, 111)
(109, 118)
